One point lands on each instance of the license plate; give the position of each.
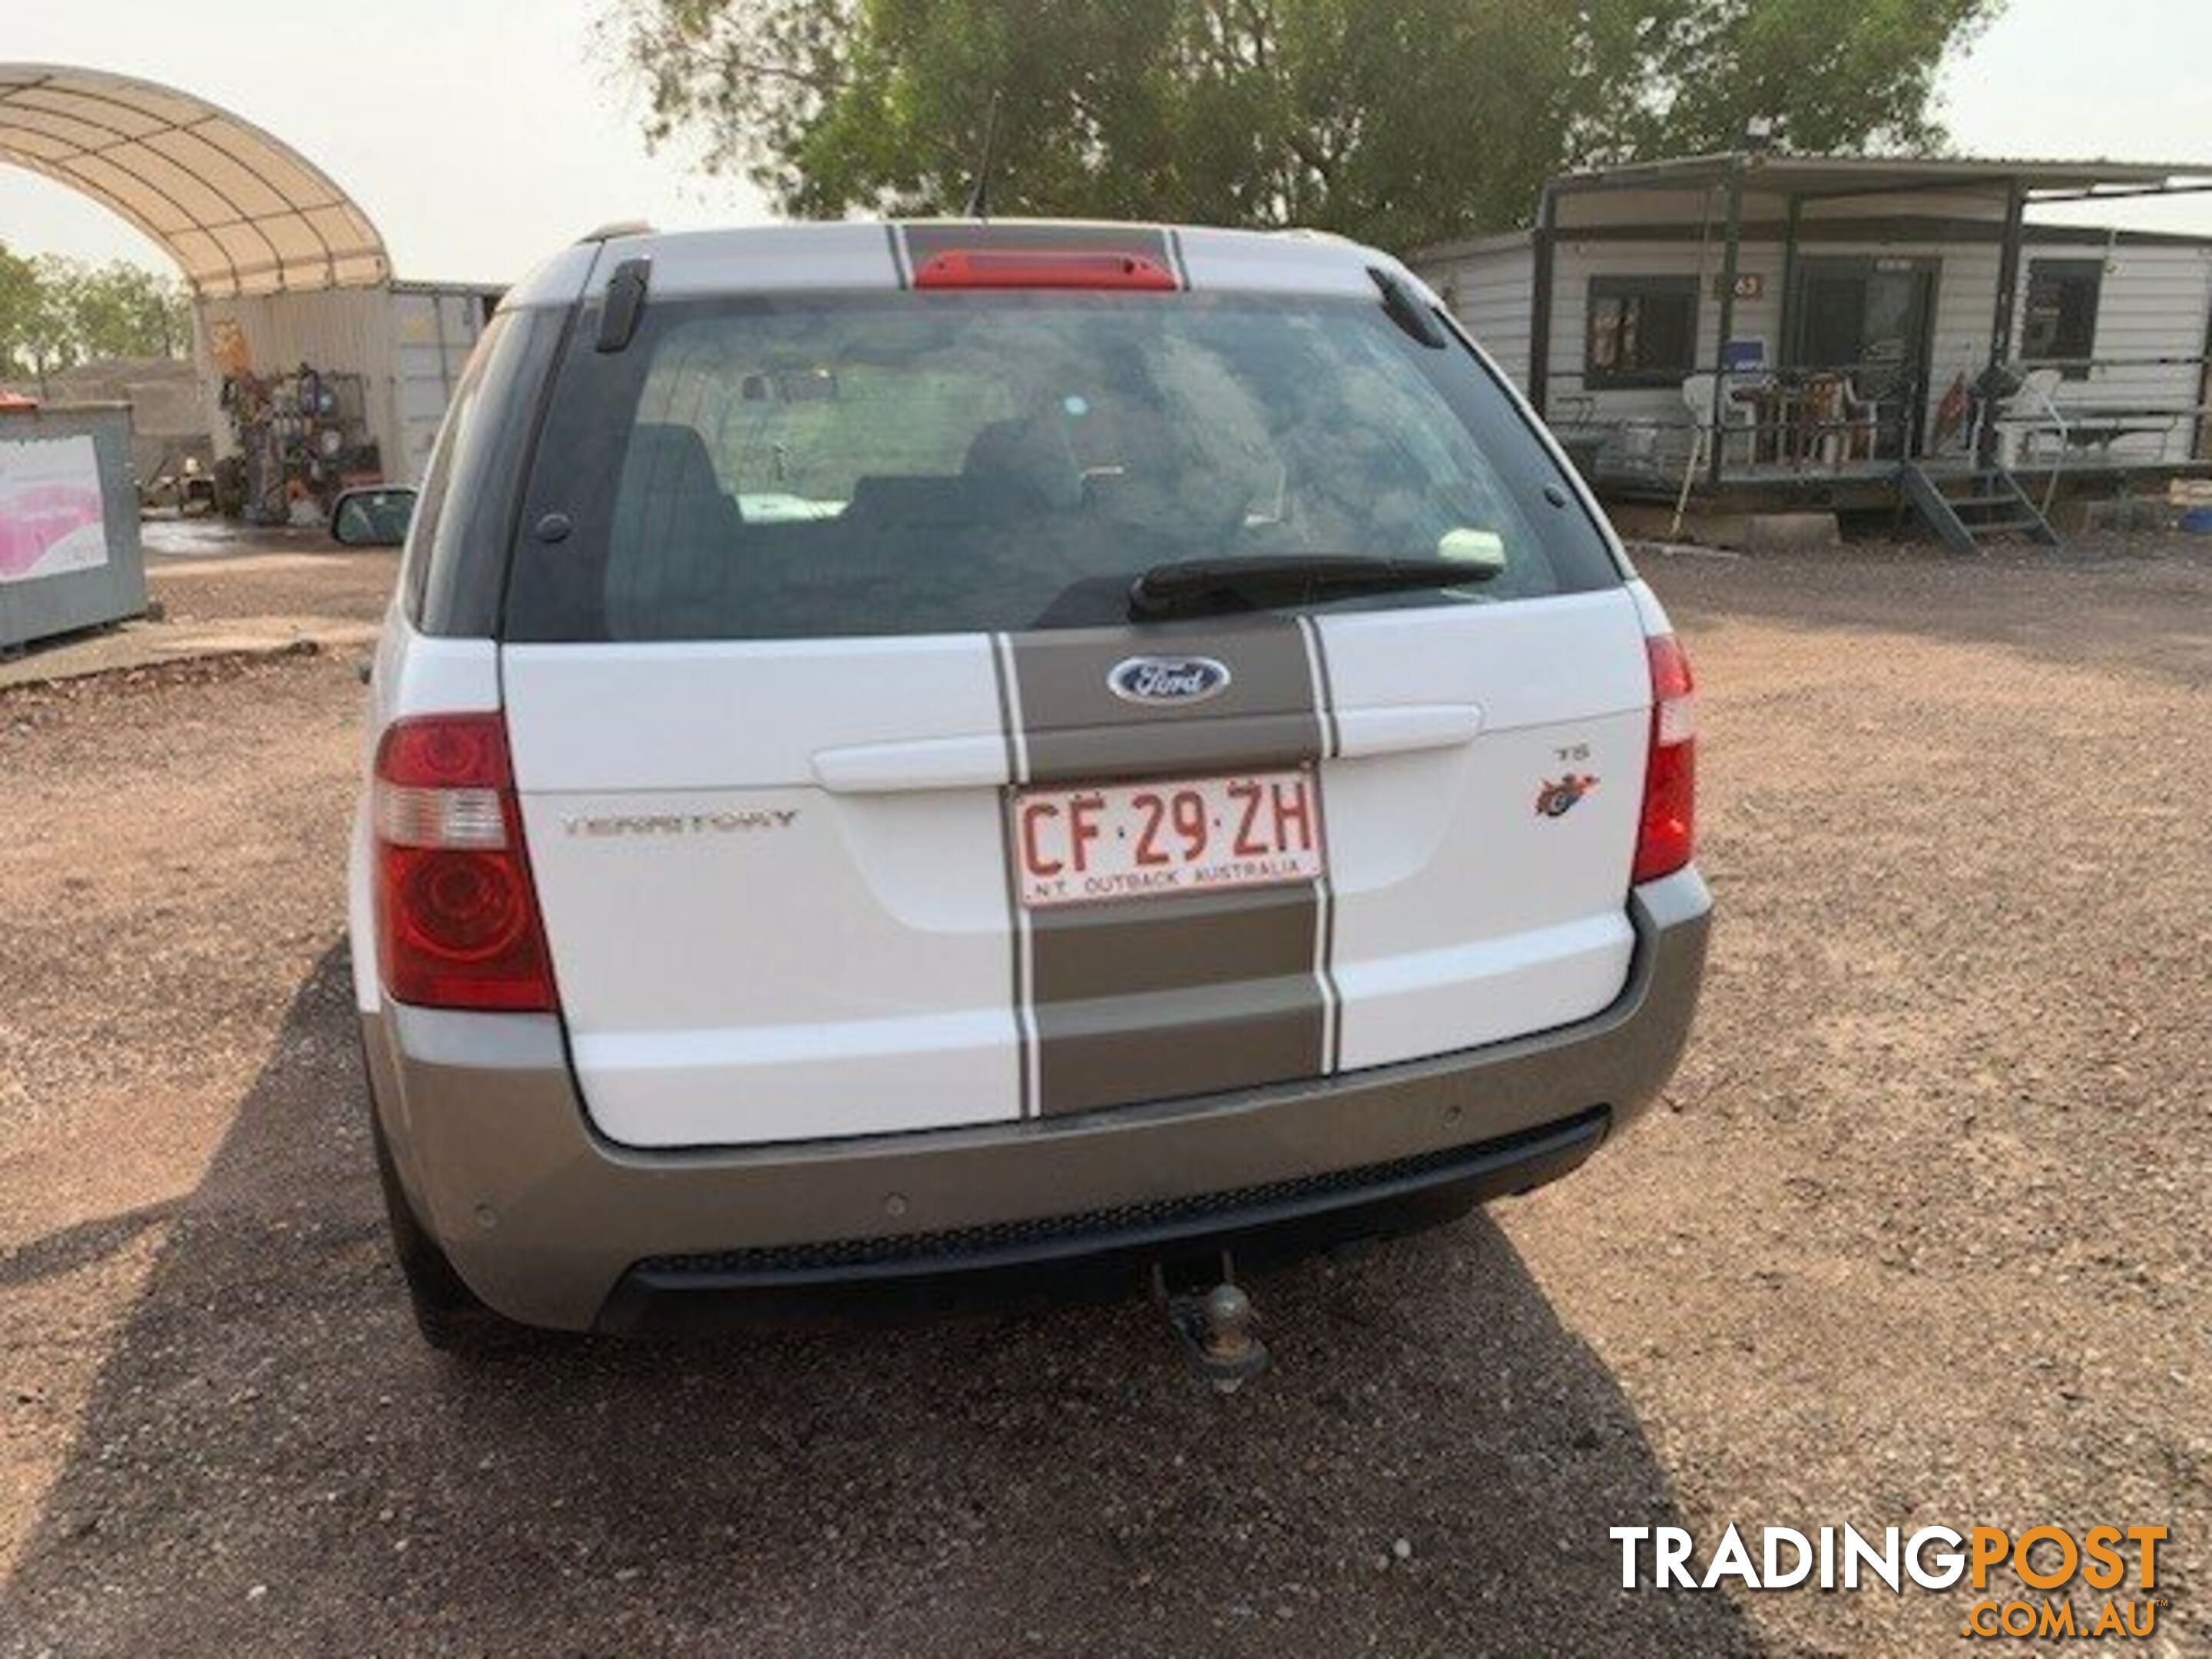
(1112, 841)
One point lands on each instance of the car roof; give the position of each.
(879, 254)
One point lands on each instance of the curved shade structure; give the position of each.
(239, 211)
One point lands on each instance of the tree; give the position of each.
(1401, 121)
(123, 310)
(38, 314)
(19, 319)
(57, 313)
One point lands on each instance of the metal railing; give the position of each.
(2141, 411)
(1830, 420)
(1774, 422)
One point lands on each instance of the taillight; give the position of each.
(1017, 267)
(457, 918)
(1667, 836)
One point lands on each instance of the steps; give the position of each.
(1991, 506)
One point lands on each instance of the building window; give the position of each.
(1642, 330)
(2060, 319)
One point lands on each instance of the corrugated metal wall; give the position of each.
(408, 342)
(346, 331)
(1490, 286)
(2156, 300)
(434, 330)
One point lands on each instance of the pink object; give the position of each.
(34, 519)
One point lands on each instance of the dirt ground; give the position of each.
(285, 591)
(1919, 1236)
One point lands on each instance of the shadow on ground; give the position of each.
(269, 1461)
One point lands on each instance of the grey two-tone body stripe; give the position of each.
(1325, 933)
(1175, 257)
(1017, 772)
(1156, 998)
(901, 267)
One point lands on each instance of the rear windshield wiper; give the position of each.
(1301, 577)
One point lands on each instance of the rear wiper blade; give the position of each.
(1203, 584)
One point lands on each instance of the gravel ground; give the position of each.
(236, 593)
(277, 579)
(1919, 1237)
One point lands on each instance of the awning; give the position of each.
(239, 211)
(1818, 175)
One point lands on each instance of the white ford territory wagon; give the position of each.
(904, 753)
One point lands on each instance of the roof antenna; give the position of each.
(979, 196)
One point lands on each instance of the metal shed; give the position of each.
(285, 268)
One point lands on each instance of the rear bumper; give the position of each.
(553, 1226)
(1108, 1250)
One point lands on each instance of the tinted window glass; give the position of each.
(1642, 330)
(2060, 319)
(438, 476)
(780, 467)
(457, 545)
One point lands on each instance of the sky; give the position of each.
(481, 136)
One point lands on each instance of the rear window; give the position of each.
(463, 520)
(775, 467)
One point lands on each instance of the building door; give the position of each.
(1872, 319)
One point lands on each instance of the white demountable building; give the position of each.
(1751, 330)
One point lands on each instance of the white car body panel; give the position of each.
(844, 971)
(1265, 262)
(774, 875)
(1649, 609)
(807, 259)
(1430, 951)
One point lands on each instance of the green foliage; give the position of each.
(19, 292)
(1399, 121)
(57, 313)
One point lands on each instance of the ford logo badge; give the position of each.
(1168, 679)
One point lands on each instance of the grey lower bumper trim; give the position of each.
(1147, 1222)
(543, 1219)
(1114, 1252)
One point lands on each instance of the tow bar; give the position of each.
(1215, 1328)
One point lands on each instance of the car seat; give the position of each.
(672, 545)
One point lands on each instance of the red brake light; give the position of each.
(1667, 836)
(1044, 268)
(456, 916)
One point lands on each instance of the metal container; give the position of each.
(407, 342)
(70, 553)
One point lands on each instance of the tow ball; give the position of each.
(1215, 1328)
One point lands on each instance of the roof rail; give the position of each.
(619, 228)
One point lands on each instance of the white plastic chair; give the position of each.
(2032, 413)
(1737, 417)
(1698, 398)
